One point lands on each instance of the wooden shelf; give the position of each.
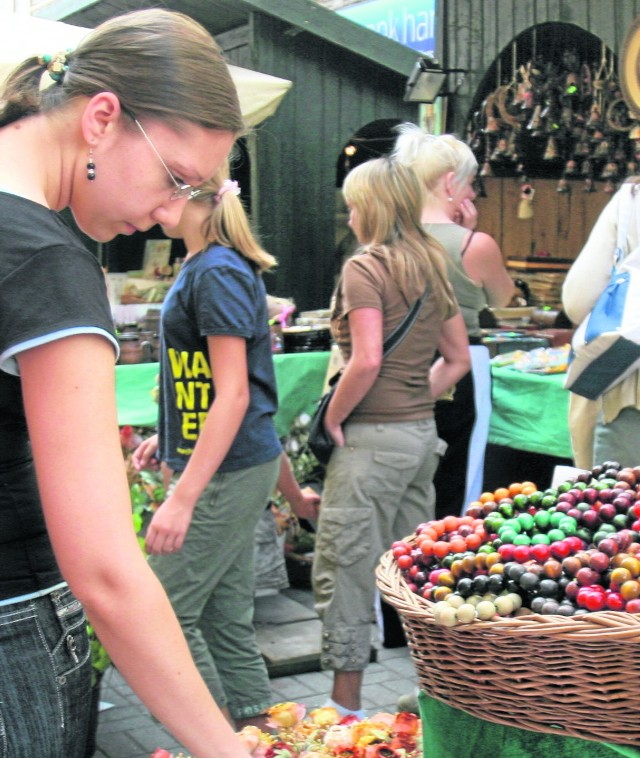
(544, 264)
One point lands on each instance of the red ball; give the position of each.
(541, 552)
(595, 601)
(506, 552)
(521, 553)
(615, 601)
(560, 549)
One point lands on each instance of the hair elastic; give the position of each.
(56, 65)
(228, 185)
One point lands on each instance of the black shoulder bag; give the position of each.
(319, 441)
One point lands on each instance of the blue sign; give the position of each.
(409, 22)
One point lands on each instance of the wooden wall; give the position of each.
(334, 94)
(560, 225)
(475, 34)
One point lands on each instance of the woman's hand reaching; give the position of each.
(144, 456)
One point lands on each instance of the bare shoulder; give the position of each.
(483, 245)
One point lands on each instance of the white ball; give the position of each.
(466, 613)
(486, 610)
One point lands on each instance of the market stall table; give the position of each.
(530, 412)
(528, 429)
(528, 418)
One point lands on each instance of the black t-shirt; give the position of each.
(50, 287)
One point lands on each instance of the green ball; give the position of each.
(520, 501)
(555, 535)
(513, 523)
(568, 525)
(526, 521)
(555, 518)
(548, 501)
(522, 539)
(540, 539)
(542, 519)
(494, 521)
(507, 535)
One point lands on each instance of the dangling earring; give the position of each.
(91, 166)
(450, 199)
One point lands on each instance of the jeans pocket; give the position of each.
(345, 535)
(70, 648)
(45, 652)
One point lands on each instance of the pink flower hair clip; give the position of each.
(228, 185)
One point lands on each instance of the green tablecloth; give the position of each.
(451, 733)
(134, 387)
(529, 412)
(299, 376)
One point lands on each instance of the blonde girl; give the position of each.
(378, 486)
(217, 438)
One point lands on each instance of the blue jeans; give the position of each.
(210, 582)
(45, 678)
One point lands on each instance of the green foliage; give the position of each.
(305, 465)
(307, 470)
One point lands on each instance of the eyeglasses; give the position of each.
(181, 190)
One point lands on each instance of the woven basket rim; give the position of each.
(605, 625)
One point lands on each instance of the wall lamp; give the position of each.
(426, 80)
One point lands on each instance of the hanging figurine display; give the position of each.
(567, 120)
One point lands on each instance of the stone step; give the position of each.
(289, 635)
(290, 649)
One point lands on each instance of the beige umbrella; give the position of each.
(22, 36)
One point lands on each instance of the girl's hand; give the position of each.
(168, 526)
(335, 432)
(308, 504)
(144, 455)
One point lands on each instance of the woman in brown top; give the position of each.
(379, 486)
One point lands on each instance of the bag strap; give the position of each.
(400, 332)
(624, 219)
(470, 237)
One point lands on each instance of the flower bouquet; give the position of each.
(325, 734)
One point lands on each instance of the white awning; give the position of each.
(22, 36)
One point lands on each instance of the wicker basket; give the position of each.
(576, 676)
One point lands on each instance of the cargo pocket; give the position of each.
(345, 536)
(389, 474)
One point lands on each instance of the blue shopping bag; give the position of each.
(606, 345)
